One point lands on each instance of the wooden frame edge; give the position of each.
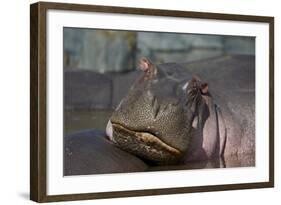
(153, 12)
(271, 100)
(37, 102)
(38, 113)
(34, 187)
(154, 192)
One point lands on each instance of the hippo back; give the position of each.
(89, 152)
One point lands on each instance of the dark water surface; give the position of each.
(75, 121)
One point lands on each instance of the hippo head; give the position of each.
(154, 120)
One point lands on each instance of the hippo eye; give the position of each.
(193, 91)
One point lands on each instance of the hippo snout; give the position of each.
(154, 120)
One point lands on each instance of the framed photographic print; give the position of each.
(133, 102)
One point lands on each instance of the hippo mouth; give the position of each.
(144, 144)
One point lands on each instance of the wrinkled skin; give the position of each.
(164, 118)
(232, 86)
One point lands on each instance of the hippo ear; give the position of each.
(144, 64)
(148, 67)
(197, 82)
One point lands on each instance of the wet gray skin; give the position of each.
(154, 121)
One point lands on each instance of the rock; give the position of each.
(179, 48)
(194, 54)
(72, 46)
(86, 90)
(240, 45)
(117, 51)
(170, 41)
(99, 50)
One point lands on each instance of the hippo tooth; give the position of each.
(109, 131)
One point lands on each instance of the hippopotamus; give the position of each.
(174, 116)
(167, 118)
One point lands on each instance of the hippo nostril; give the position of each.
(175, 102)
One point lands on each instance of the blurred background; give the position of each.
(118, 51)
(100, 65)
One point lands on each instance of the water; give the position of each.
(82, 120)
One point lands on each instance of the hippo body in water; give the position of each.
(89, 152)
(171, 116)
